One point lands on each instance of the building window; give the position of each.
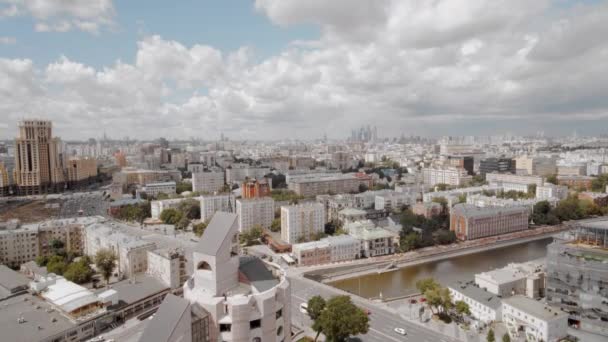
(279, 330)
(279, 313)
(225, 327)
(255, 324)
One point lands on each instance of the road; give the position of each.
(382, 321)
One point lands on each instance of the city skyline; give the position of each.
(299, 70)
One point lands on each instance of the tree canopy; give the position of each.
(171, 216)
(105, 261)
(80, 271)
(341, 319)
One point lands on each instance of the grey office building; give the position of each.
(577, 276)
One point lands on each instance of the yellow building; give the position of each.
(39, 162)
(81, 171)
(4, 181)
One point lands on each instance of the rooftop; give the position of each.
(166, 319)
(513, 271)
(470, 210)
(257, 273)
(11, 280)
(217, 231)
(478, 294)
(41, 320)
(130, 291)
(535, 308)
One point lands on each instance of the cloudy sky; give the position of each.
(295, 68)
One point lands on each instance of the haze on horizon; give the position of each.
(299, 69)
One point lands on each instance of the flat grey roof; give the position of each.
(257, 273)
(216, 232)
(128, 293)
(478, 294)
(33, 310)
(10, 279)
(535, 308)
(166, 319)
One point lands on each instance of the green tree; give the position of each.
(599, 183)
(490, 337)
(462, 308)
(56, 264)
(442, 187)
(552, 179)
(182, 187)
(105, 261)
(443, 202)
(252, 236)
(363, 188)
(342, 319)
(316, 305)
(199, 228)
(506, 338)
(542, 213)
(42, 260)
(276, 225)
(79, 272)
(409, 242)
(426, 284)
(183, 223)
(162, 196)
(190, 208)
(445, 237)
(171, 216)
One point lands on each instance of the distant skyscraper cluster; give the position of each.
(364, 134)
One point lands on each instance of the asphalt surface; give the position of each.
(382, 321)
(91, 204)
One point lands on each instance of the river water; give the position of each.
(403, 282)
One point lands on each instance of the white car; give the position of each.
(400, 331)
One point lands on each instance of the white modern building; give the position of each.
(533, 320)
(210, 204)
(131, 251)
(526, 279)
(499, 178)
(157, 207)
(484, 306)
(255, 211)
(168, 266)
(302, 221)
(207, 182)
(394, 201)
(374, 241)
(246, 299)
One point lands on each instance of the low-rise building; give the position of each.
(81, 171)
(333, 183)
(533, 320)
(526, 279)
(470, 222)
(330, 249)
(427, 209)
(501, 178)
(153, 189)
(131, 251)
(572, 170)
(374, 241)
(484, 306)
(169, 266)
(576, 182)
(394, 201)
(549, 191)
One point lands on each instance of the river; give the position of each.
(403, 281)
